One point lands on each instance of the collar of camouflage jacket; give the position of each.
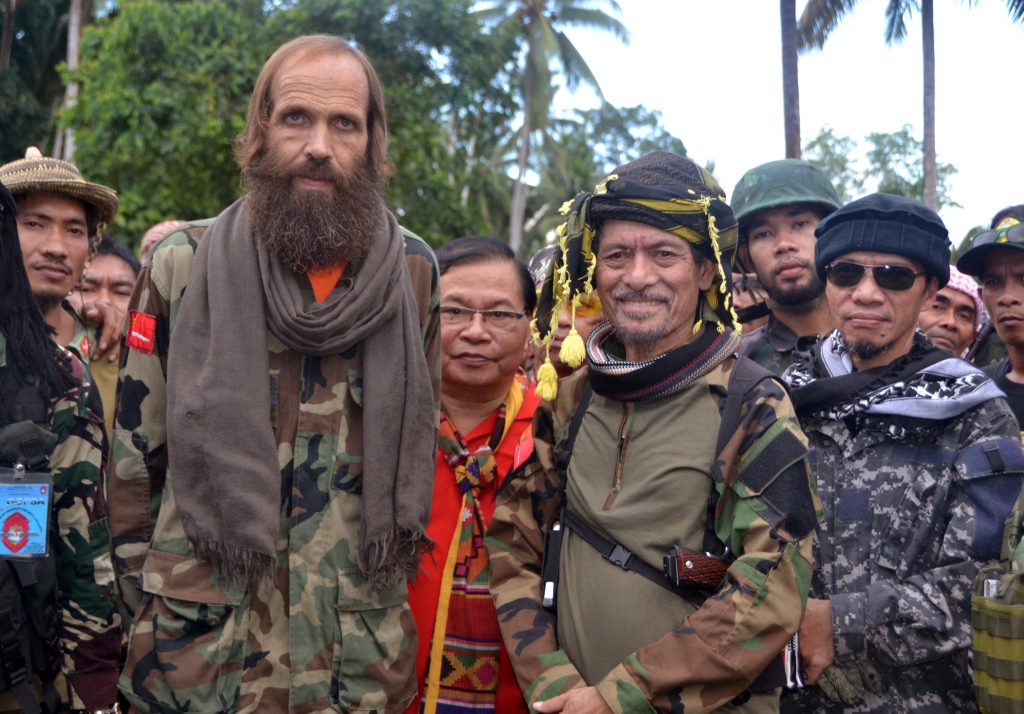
(220, 444)
(926, 384)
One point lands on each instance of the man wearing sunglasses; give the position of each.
(997, 257)
(778, 206)
(911, 449)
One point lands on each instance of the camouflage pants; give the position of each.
(761, 703)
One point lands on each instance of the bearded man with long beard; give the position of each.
(275, 443)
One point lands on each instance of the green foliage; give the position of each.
(449, 104)
(164, 90)
(896, 161)
(31, 87)
(580, 151)
(831, 154)
(965, 244)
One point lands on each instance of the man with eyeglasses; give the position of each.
(997, 257)
(915, 453)
(487, 406)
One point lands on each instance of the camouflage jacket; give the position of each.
(103, 372)
(89, 625)
(318, 640)
(720, 649)
(770, 345)
(908, 523)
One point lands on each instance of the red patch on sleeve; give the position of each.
(141, 332)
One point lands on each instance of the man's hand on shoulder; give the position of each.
(586, 700)
(110, 320)
(817, 646)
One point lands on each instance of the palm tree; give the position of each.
(821, 17)
(546, 45)
(790, 79)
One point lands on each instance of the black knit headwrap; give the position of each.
(663, 190)
(32, 355)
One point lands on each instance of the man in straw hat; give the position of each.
(61, 218)
(275, 441)
(60, 635)
(669, 479)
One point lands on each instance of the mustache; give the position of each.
(273, 166)
(51, 263)
(642, 295)
(778, 268)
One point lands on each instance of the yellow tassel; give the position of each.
(547, 381)
(573, 351)
(697, 326)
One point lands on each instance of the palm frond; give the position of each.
(576, 68)
(594, 19)
(1016, 10)
(819, 19)
(896, 20)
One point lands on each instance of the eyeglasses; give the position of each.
(1009, 234)
(844, 274)
(462, 316)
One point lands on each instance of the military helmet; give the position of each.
(782, 183)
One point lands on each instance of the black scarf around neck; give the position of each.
(613, 377)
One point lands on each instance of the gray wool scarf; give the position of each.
(222, 451)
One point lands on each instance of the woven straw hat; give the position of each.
(38, 173)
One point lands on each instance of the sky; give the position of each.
(713, 68)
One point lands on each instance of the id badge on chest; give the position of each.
(25, 499)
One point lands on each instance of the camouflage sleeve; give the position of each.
(911, 619)
(137, 468)
(515, 545)
(90, 628)
(767, 511)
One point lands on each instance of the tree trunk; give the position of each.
(71, 93)
(518, 208)
(7, 40)
(931, 176)
(790, 79)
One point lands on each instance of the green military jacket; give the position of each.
(89, 626)
(714, 654)
(771, 345)
(318, 640)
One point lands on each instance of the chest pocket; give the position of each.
(914, 518)
(992, 480)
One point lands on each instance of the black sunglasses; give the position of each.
(844, 274)
(1009, 234)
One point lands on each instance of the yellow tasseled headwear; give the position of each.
(663, 190)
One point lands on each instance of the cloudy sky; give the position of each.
(714, 70)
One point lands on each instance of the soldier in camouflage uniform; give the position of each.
(328, 627)
(652, 469)
(778, 205)
(913, 451)
(45, 395)
(60, 224)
